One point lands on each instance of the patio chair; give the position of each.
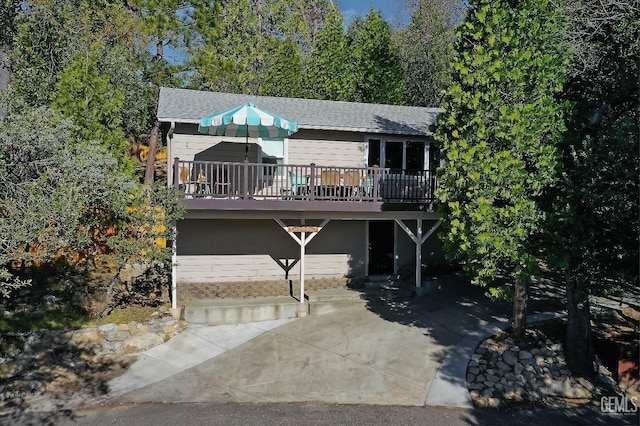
(367, 186)
(185, 180)
(352, 181)
(329, 182)
(298, 186)
(202, 183)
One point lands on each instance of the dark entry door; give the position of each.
(381, 243)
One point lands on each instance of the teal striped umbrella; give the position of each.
(247, 120)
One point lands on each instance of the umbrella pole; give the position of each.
(246, 143)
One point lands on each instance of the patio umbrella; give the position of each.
(247, 120)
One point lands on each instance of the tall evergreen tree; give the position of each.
(162, 25)
(426, 49)
(327, 77)
(94, 104)
(374, 67)
(284, 71)
(227, 57)
(593, 224)
(498, 132)
(53, 37)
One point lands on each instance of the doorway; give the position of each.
(381, 247)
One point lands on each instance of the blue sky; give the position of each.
(353, 8)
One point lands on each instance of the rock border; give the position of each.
(449, 387)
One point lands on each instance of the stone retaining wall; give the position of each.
(37, 364)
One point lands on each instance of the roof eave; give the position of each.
(312, 127)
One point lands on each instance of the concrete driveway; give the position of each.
(399, 349)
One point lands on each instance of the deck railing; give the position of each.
(311, 182)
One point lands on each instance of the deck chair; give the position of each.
(298, 186)
(367, 186)
(329, 182)
(185, 179)
(351, 181)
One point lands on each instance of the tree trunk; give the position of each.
(579, 346)
(151, 156)
(520, 307)
(153, 137)
(5, 79)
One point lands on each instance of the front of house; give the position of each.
(348, 196)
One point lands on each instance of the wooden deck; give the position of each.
(250, 186)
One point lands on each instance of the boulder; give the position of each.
(510, 357)
(84, 337)
(141, 342)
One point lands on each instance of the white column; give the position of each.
(302, 241)
(303, 246)
(418, 253)
(174, 268)
(419, 239)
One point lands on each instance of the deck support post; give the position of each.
(303, 245)
(419, 238)
(174, 268)
(302, 240)
(419, 253)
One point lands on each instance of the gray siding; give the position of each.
(238, 250)
(340, 149)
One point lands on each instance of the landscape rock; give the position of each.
(84, 337)
(510, 373)
(142, 342)
(510, 357)
(39, 363)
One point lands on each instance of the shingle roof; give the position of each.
(188, 106)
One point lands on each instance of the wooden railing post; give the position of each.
(376, 178)
(245, 184)
(312, 182)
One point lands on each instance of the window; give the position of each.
(374, 153)
(399, 154)
(273, 152)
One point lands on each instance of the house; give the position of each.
(348, 196)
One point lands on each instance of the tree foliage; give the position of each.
(284, 70)
(327, 76)
(53, 38)
(592, 224)
(94, 104)
(228, 58)
(61, 197)
(426, 49)
(375, 73)
(498, 132)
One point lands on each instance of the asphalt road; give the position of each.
(312, 414)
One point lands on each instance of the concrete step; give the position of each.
(334, 300)
(334, 294)
(238, 311)
(380, 283)
(377, 278)
(327, 307)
